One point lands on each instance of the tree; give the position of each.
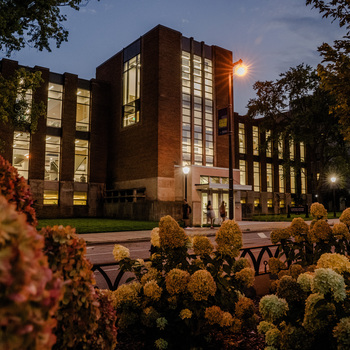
(335, 71)
(33, 22)
(296, 108)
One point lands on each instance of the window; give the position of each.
(268, 144)
(269, 177)
(256, 202)
(281, 178)
(280, 147)
(20, 156)
(292, 180)
(269, 203)
(256, 167)
(131, 91)
(50, 197)
(303, 180)
(243, 172)
(241, 137)
(302, 152)
(83, 110)
(81, 162)
(204, 180)
(80, 198)
(54, 105)
(52, 158)
(291, 149)
(255, 140)
(282, 203)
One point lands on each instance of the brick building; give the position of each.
(116, 145)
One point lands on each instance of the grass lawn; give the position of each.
(283, 217)
(91, 225)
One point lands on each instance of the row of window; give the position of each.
(21, 157)
(52, 198)
(269, 177)
(256, 144)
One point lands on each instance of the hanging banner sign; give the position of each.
(223, 121)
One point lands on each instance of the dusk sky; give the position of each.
(268, 35)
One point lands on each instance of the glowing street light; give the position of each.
(240, 70)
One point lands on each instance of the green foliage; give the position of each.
(33, 22)
(29, 292)
(312, 306)
(182, 295)
(16, 104)
(78, 314)
(16, 190)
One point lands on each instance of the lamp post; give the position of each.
(186, 170)
(334, 180)
(240, 71)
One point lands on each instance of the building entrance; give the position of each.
(216, 197)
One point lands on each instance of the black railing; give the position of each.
(259, 263)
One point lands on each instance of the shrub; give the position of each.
(179, 299)
(29, 293)
(16, 190)
(78, 312)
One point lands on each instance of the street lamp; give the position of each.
(186, 170)
(240, 70)
(334, 180)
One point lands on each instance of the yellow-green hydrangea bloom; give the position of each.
(246, 276)
(152, 290)
(295, 270)
(265, 326)
(328, 281)
(280, 234)
(337, 262)
(155, 241)
(341, 231)
(151, 274)
(272, 308)
(226, 320)
(299, 229)
(161, 344)
(229, 239)
(185, 313)
(318, 211)
(171, 235)
(213, 314)
(321, 231)
(127, 295)
(201, 285)
(345, 217)
(276, 265)
(306, 281)
(120, 252)
(342, 333)
(201, 245)
(273, 337)
(176, 281)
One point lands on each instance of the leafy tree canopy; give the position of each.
(33, 22)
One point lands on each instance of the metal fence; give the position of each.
(258, 255)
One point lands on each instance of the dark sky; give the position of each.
(270, 36)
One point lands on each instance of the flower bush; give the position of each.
(188, 292)
(310, 305)
(78, 313)
(16, 190)
(318, 211)
(29, 292)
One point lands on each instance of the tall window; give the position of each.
(54, 105)
(256, 167)
(50, 197)
(197, 123)
(131, 91)
(80, 198)
(52, 158)
(291, 149)
(281, 178)
(268, 144)
(303, 180)
(241, 137)
(20, 156)
(81, 162)
(269, 177)
(292, 180)
(256, 140)
(83, 110)
(280, 147)
(302, 152)
(243, 172)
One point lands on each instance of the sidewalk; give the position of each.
(141, 236)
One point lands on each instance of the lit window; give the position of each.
(204, 180)
(302, 152)
(292, 180)
(255, 140)
(131, 91)
(20, 156)
(291, 149)
(280, 147)
(282, 203)
(81, 162)
(256, 167)
(83, 110)
(243, 172)
(54, 105)
(269, 177)
(50, 197)
(303, 180)
(243, 200)
(80, 198)
(281, 178)
(268, 144)
(256, 202)
(269, 203)
(241, 136)
(52, 158)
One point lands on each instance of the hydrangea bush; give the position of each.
(310, 305)
(16, 190)
(29, 292)
(187, 292)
